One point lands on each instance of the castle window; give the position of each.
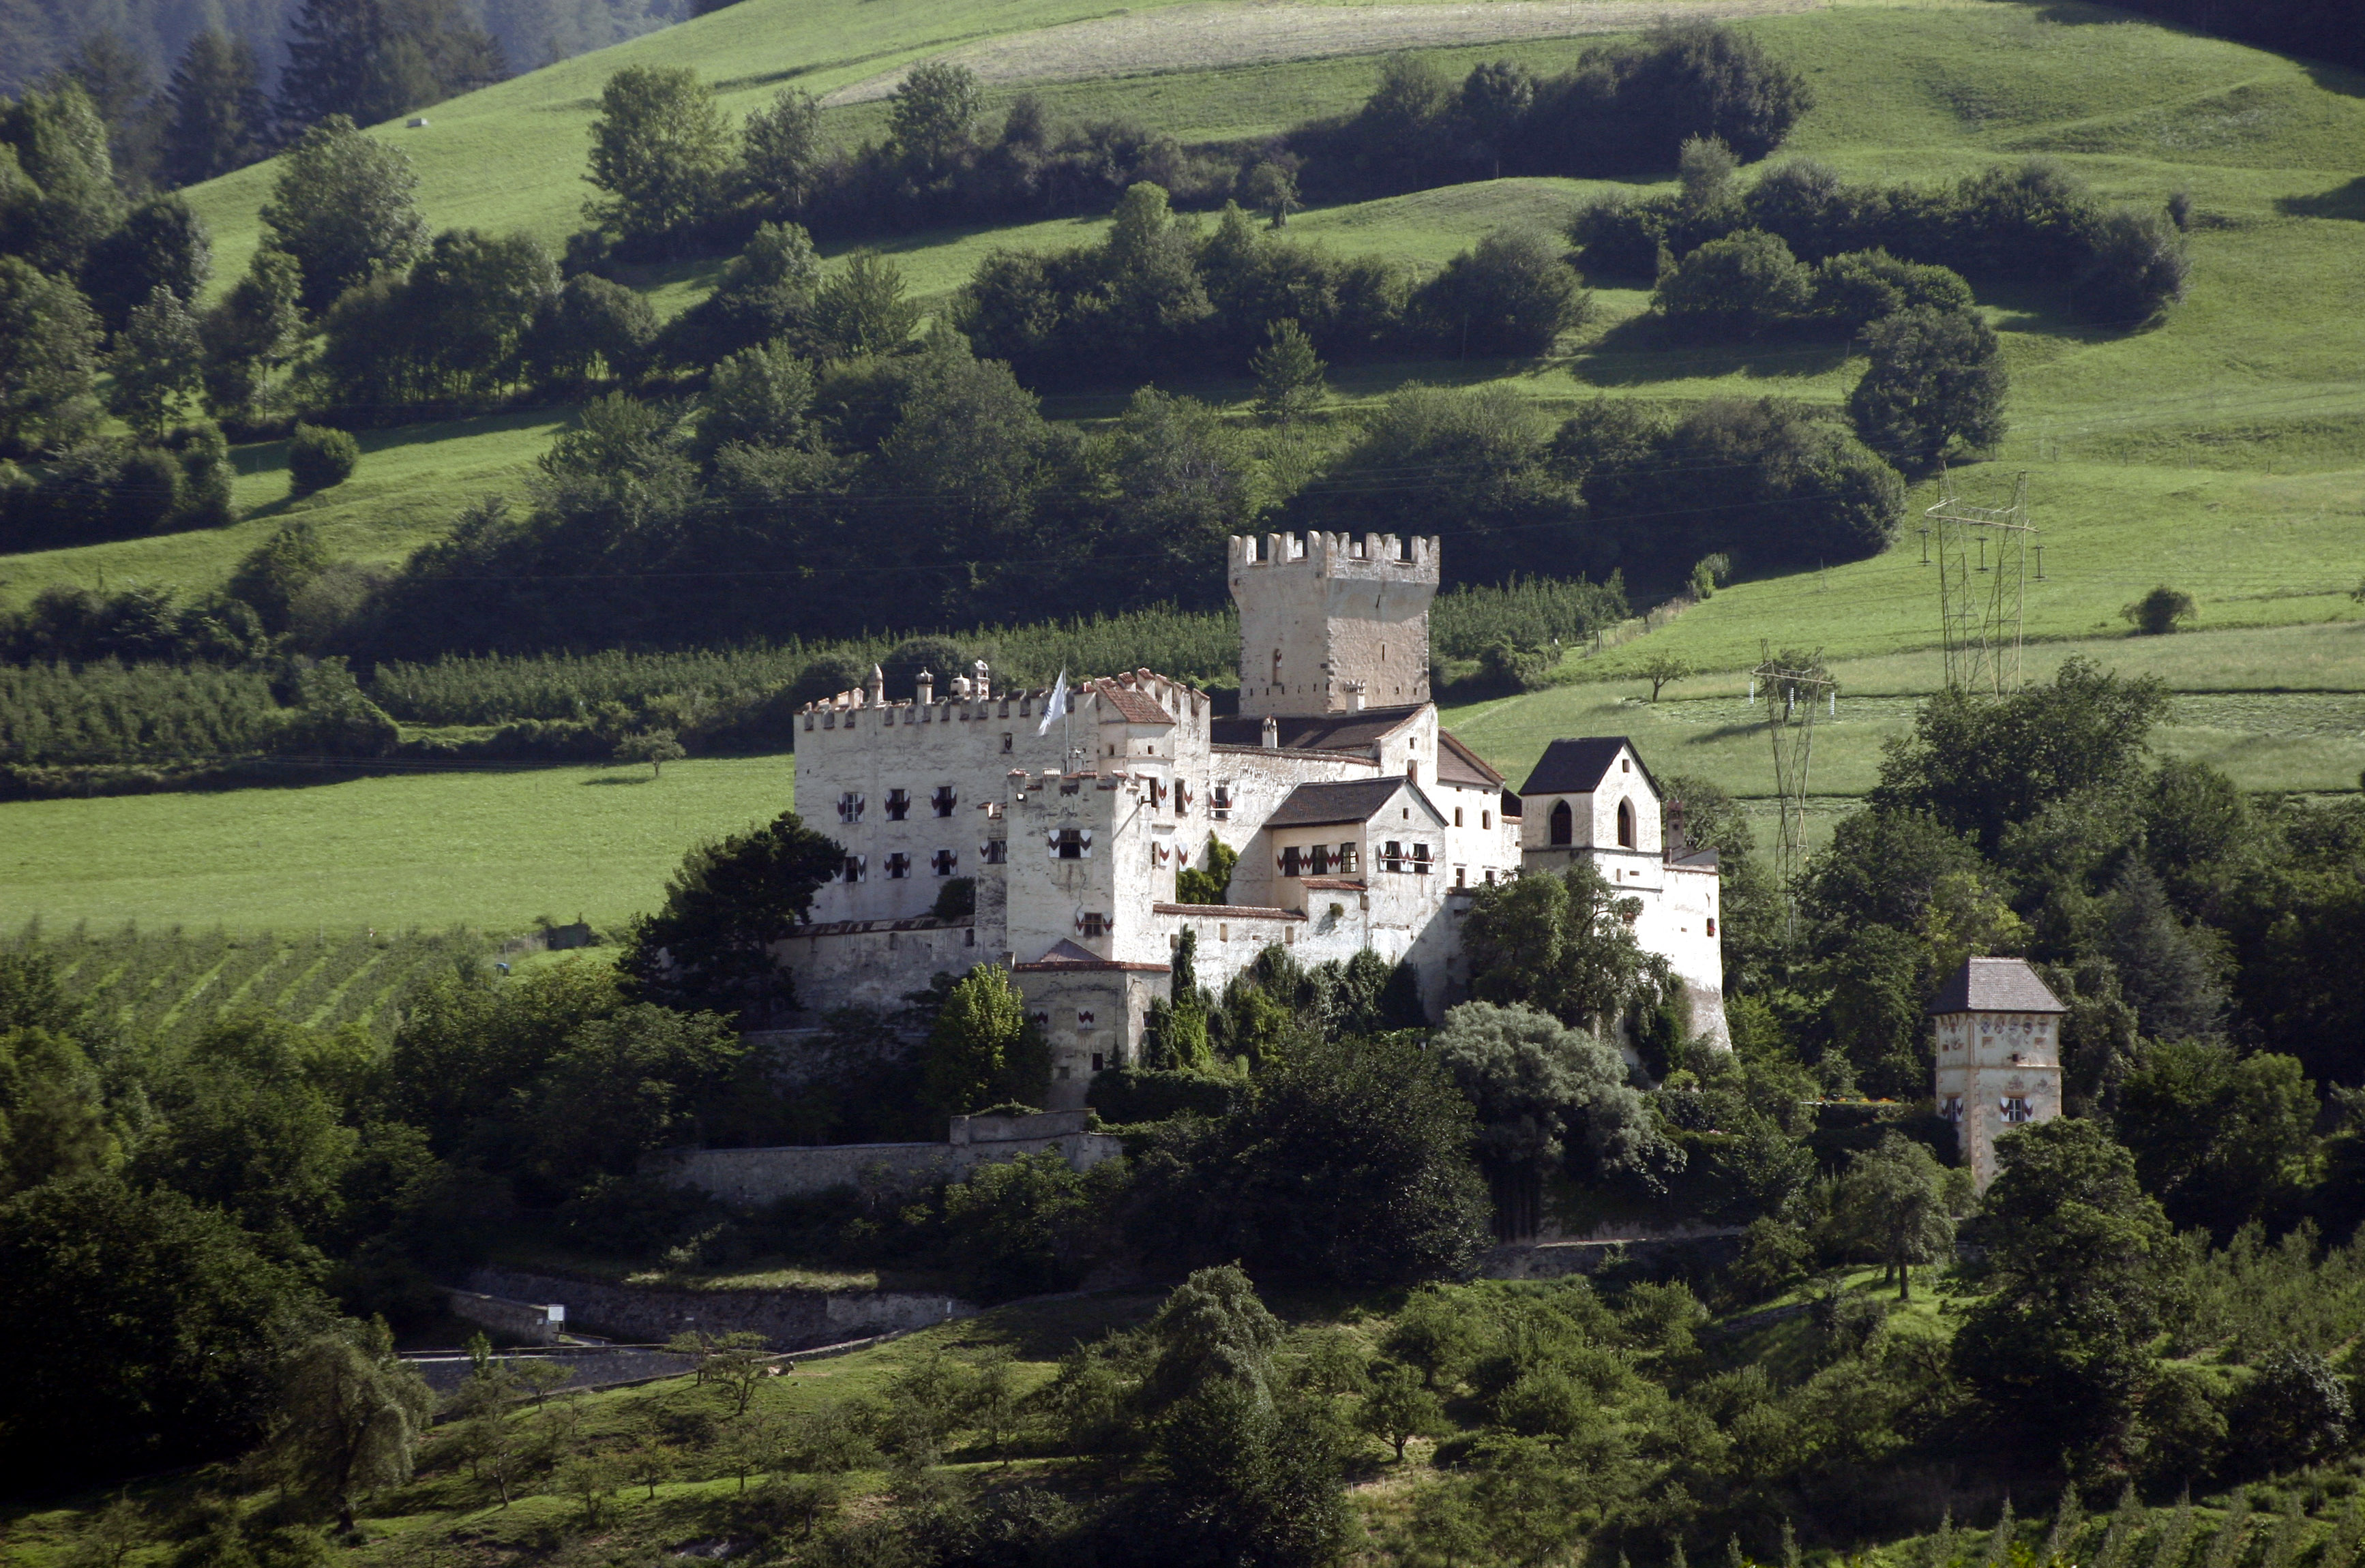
(899, 866)
(1347, 859)
(1625, 766)
(1005, 741)
(1564, 825)
(1221, 802)
(852, 870)
(1042, 1020)
(1490, 876)
(1276, 666)
(1462, 876)
(1096, 1061)
(944, 799)
(997, 851)
(1392, 856)
(1625, 824)
(1070, 845)
(1486, 819)
(899, 805)
(2015, 1109)
(1420, 859)
(1289, 862)
(1095, 925)
(1318, 860)
(1711, 925)
(1083, 1015)
(943, 862)
(1952, 1108)
(850, 807)
(1457, 816)
(968, 936)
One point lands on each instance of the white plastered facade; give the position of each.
(1073, 833)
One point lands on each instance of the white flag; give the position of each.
(1056, 707)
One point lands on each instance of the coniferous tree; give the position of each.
(372, 59)
(215, 118)
(123, 93)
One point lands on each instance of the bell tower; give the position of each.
(1331, 623)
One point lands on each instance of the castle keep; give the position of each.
(1359, 822)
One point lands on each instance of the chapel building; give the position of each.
(1359, 822)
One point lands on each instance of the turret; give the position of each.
(1329, 623)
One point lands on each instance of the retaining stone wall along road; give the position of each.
(1656, 1255)
(788, 1319)
(526, 1322)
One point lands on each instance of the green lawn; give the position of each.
(491, 849)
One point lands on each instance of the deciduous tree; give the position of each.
(342, 207)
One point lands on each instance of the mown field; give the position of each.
(493, 849)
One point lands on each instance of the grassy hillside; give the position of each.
(2222, 450)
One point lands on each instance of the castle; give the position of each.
(1358, 820)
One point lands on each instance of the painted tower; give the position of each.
(1999, 1054)
(1330, 623)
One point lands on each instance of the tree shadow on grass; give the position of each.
(1644, 349)
(620, 779)
(2348, 201)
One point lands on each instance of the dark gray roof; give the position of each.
(1357, 733)
(1576, 766)
(1347, 800)
(1457, 764)
(1995, 985)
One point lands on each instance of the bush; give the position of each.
(1744, 282)
(2163, 610)
(320, 458)
(1126, 1096)
(1510, 294)
(2134, 270)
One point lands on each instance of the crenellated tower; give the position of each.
(1332, 623)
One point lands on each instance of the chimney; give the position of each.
(927, 688)
(878, 685)
(984, 680)
(1271, 733)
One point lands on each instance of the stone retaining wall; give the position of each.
(751, 1178)
(788, 1319)
(527, 1322)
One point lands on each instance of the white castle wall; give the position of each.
(1986, 1058)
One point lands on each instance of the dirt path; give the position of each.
(1198, 38)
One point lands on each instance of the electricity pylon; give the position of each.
(1980, 621)
(1793, 690)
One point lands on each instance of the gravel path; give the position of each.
(1198, 38)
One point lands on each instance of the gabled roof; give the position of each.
(1345, 801)
(1457, 764)
(1995, 985)
(1319, 732)
(1135, 707)
(1577, 767)
(1066, 954)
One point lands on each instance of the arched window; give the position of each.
(1564, 825)
(1625, 824)
(1276, 666)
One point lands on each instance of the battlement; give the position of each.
(1400, 558)
(1110, 700)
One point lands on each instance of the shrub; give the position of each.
(1510, 294)
(320, 458)
(1130, 1095)
(1743, 282)
(2163, 610)
(1859, 288)
(2135, 270)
